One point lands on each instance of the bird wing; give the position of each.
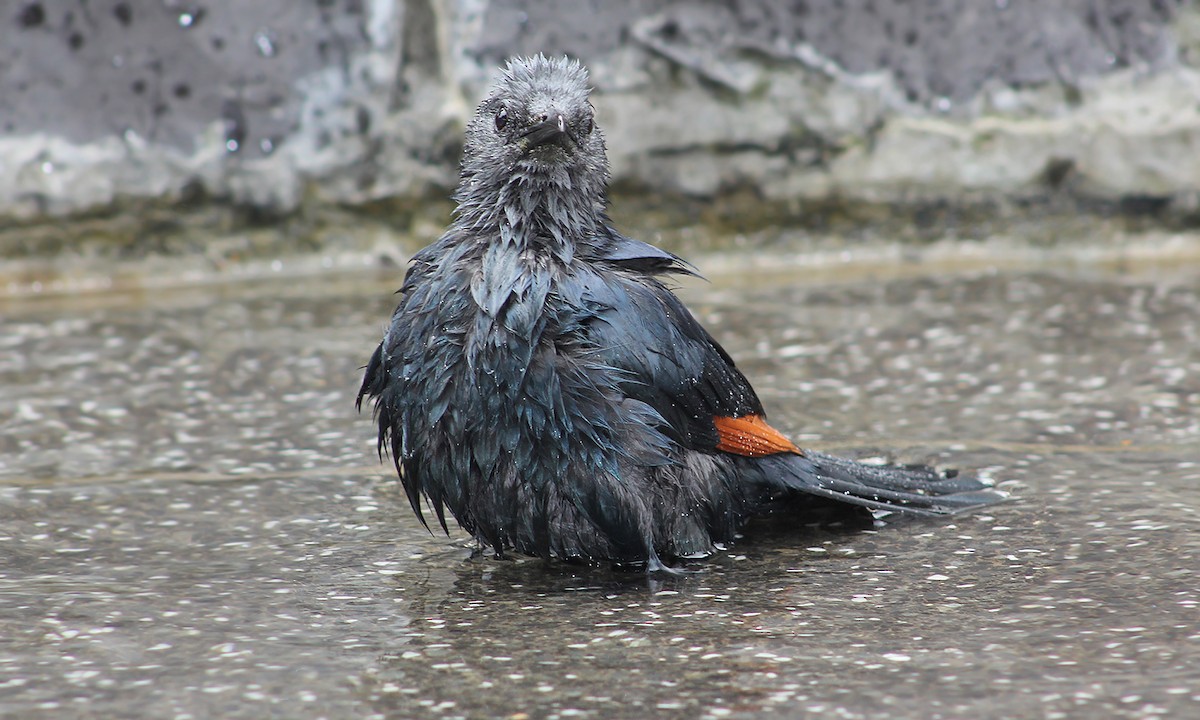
(667, 360)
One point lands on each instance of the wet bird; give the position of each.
(542, 383)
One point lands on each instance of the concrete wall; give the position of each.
(281, 104)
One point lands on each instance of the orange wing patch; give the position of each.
(751, 436)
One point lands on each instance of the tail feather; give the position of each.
(918, 490)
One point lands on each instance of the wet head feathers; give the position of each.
(533, 155)
(539, 81)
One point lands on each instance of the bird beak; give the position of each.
(553, 129)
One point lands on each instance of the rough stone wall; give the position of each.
(278, 103)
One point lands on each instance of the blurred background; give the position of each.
(219, 131)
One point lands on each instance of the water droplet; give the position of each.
(186, 19)
(235, 124)
(943, 104)
(266, 145)
(47, 167)
(1110, 59)
(264, 40)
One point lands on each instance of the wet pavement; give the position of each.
(193, 522)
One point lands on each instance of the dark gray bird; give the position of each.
(540, 382)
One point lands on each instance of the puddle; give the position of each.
(193, 522)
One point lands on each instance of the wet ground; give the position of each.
(193, 522)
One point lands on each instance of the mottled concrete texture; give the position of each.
(277, 104)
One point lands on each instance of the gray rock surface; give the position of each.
(277, 105)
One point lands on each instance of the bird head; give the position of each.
(534, 132)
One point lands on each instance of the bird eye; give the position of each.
(501, 118)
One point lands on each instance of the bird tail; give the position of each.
(915, 489)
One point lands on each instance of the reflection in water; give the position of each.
(193, 520)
